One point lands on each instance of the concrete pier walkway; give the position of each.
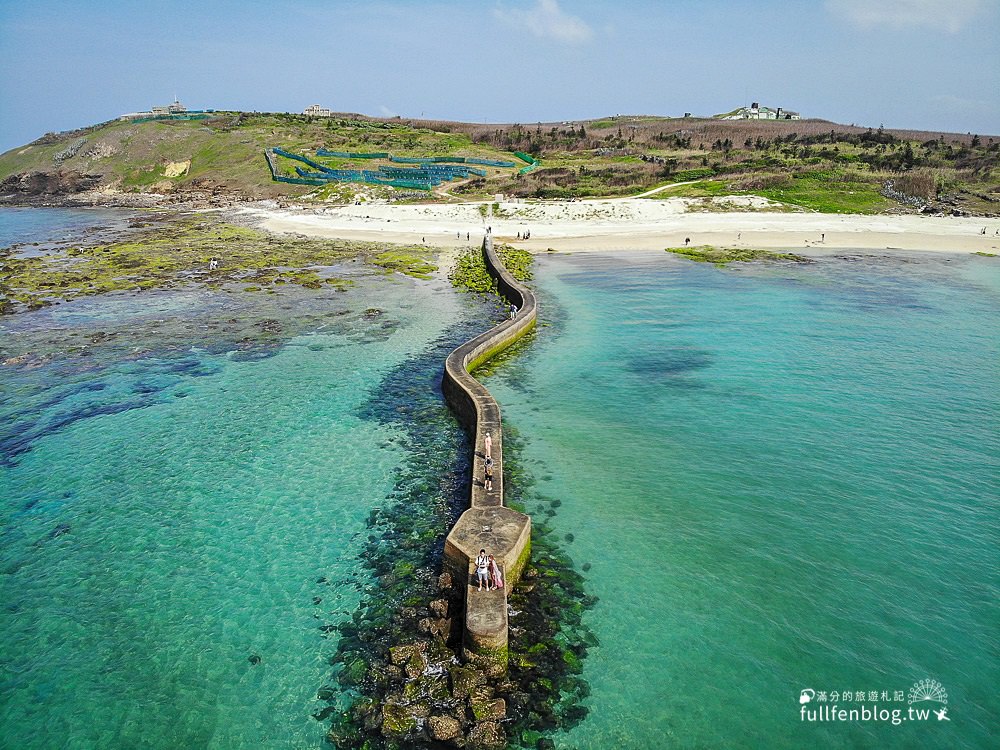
(487, 524)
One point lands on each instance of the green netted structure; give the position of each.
(427, 172)
(184, 116)
(531, 161)
(417, 159)
(350, 154)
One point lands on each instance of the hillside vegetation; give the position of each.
(808, 164)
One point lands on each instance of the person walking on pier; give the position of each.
(488, 445)
(496, 577)
(483, 569)
(513, 311)
(488, 475)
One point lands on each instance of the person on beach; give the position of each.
(496, 577)
(213, 264)
(822, 237)
(687, 241)
(488, 445)
(488, 475)
(483, 569)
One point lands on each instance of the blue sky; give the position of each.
(922, 64)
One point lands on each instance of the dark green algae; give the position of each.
(470, 271)
(722, 256)
(377, 704)
(165, 250)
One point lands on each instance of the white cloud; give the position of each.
(949, 15)
(547, 21)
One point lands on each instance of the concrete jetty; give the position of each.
(487, 524)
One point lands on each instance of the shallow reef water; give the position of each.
(772, 478)
(180, 470)
(221, 509)
(403, 553)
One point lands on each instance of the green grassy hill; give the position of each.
(805, 164)
(224, 153)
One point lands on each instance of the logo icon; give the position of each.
(807, 695)
(942, 715)
(928, 690)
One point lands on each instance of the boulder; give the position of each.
(440, 608)
(416, 665)
(464, 680)
(444, 727)
(493, 709)
(444, 581)
(440, 627)
(401, 654)
(396, 720)
(486, 735)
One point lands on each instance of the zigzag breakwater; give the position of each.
(487, 524)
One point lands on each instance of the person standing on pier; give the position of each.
(482, 569)
(488, 476)
(496, 577)
(488, 445)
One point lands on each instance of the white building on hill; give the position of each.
(757, 112)
(315, 110)
(174, 108)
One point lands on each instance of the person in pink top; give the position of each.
(496, 577)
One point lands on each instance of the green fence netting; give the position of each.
(427, 172)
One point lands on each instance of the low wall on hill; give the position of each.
(487, 524)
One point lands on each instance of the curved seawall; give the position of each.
(487, 524)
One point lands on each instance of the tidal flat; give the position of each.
(166, 250)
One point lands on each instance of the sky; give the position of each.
(916, 64)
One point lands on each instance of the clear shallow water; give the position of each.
(780, 478)
(36, 230)
(173, 506)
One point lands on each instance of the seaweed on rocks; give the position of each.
(398, 681)
(396, 640)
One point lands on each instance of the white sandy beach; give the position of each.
(635, 224)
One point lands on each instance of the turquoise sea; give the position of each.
(775, 478)
(185, 480)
